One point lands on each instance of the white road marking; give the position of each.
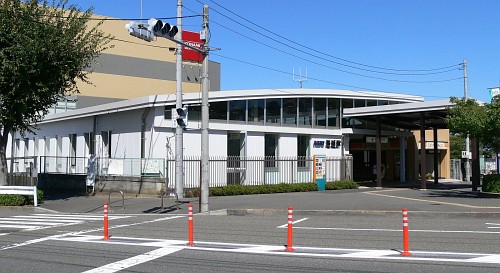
(294, 222)
(44, 221)
(53, 237)
(428, 201)
(493, 224)
(397, 230)
(14, 221)
(175, 245)
(133, 261)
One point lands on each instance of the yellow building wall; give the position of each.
(127, 87)
(443, 136)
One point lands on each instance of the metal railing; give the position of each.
(22, 171)
(224, 170)
(237, 170)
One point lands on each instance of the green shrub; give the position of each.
(19, 200)
(275, 188)
(491, 183)
(341, 185)
(12, 200)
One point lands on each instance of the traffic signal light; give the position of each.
(161, 29)
(182, 116)
(140, 30)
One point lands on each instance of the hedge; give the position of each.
(491, 183)
(275, 188)
(19, 200)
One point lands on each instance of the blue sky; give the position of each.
(348, 44)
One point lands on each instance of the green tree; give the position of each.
(45, 49)
(457, 145)
(467, 116)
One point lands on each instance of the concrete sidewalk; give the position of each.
(448, 197)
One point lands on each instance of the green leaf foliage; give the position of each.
(45, 49)
(482, 121)
(491, 183)
(275, 188)
(19, 200)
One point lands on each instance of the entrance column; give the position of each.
(402, 159)
(436, 156)
(423, 181)
(379, 154)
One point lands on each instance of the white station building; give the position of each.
(269, 124)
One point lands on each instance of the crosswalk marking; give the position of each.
(453, 257)
(42, 221)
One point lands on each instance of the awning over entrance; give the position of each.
(404, 115)
(410, 116)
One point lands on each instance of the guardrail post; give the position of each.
(123, 198)
(289, 247)
(406, 251)
(106, 228)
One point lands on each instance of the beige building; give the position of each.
(443, 141)
(133, 68)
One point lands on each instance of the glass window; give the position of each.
(319, 112)
(168, 111)
(302, 150)
(218, 111)
(305, 112)
(237, 111)
(17, 144)
(89, 143)
(290, 111)
(371, 103)
(359, 103)
(347, 103)
(273, 111)
(26, 147)
(256, 111)
(270, 150)
(333, 113)
(383, 102)
(194, 113)
(106, 143)
(47, 146)
(72, 149)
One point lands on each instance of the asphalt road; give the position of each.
(157, 243)
(449, 232)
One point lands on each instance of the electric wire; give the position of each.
(357, 88)
(330, 67)
(447, 68)
(241, 61)
(314, 50)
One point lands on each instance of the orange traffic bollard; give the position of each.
(289, 247)
(190, 226)
(106, 228)
(406, 240)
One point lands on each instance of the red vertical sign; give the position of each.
(192, 39)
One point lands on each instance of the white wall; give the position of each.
(287, 145)
(255, 144)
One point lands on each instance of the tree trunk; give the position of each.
(4, 171)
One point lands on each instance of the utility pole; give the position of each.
(204, 115)
(467, 141)
(179, 147)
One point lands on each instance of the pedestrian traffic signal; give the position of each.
(182, 116)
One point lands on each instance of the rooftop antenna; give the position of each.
(300, 79)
